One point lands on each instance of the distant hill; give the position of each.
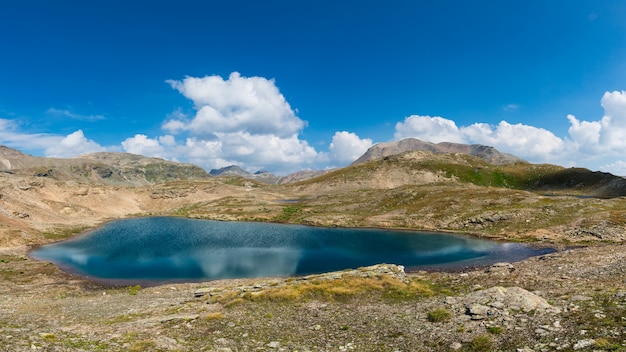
(425, 167)
(107, 168)
(265, 176)
(232, 170)
(489, 154)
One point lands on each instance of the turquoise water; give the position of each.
(161, 249)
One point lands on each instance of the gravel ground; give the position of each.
(569, 300)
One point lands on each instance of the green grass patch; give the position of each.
(495, 330)
(288, 213)
(482, 343)
(133, 290)
(61, 233)
(439, 315)
(341, 289)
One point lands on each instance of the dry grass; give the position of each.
(346, 288)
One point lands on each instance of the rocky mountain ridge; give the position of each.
(104, 167)
(135, 169)
(487, 153)
(266, 176)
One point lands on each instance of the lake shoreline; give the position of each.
(294, 232)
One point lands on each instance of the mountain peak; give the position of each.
(487, 153)
(231, 170)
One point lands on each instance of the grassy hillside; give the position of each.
(450, 192)
(473, 170)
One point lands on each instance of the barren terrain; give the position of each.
(574, 299)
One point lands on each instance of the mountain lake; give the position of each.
(156, 250)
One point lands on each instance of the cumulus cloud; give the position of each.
(522, 140)
(142, 145)
(613, 132)
(240, 120)
(591, 142)
(346, 147)
(519, 139)
(72, 145)
(616, 168)
(433, 129)
(607, 135)
(585, 134)
(238, 104)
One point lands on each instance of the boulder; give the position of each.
(510, 298)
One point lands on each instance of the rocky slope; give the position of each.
(266, 176)
(105, 168)
(569, 300)
(489, 154)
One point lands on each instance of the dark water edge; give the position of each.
(159, 250)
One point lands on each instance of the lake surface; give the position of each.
(160, 249)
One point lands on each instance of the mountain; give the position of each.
(426, 167)
(489, 154)
(105, 168)
(232, 170)
(302, 176)
(266, 176)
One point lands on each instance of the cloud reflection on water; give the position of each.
(174, 248)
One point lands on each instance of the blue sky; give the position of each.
(291, 85)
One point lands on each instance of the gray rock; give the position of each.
(455, 346)
(512, 298)
(273, 344)
(501, 268)
(584, 344)
(203, 291)
(478, 311)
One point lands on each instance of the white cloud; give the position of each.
(585, 134)
(511, 107)
(606, 136)
(613, 132)
(72, 145)
(616, 168)
(525, 141)
(593, 143)
(11, 136)
(433, 129)
(241, 120)
(346, 147)
(68, 113)
(521, 140)
(249, 104)
(142, 145)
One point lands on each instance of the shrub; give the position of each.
(495, 329)
(439, 315)
(481, 343)
(133, 290)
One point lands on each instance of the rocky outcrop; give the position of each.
(500, 301)
(99, 168)
(390, 270)
(487, 153)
